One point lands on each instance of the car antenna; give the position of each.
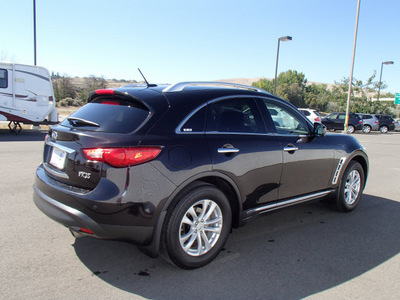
(145, 80)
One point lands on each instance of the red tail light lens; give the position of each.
(109, 102)
(122, 157)
(317, 119)
(85, 230)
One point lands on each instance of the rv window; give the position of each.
(3, 79)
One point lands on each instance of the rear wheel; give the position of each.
(198, 227)
(384, 129)
(366, 129)
(350, 128)
(351, 187)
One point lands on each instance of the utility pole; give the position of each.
(34, 31)
(346, 123)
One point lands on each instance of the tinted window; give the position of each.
(195, 123)
(235, 115)
(285, 120)
(3, 78)
(305, 112)
(332, 116)
(111, 115)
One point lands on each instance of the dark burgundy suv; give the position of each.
(175, 168)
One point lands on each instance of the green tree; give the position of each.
(318, 96)
(91, 83)
(62, 86)
(264, 84)
(290, 86)
(361, 96)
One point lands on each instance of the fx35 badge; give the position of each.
(85, 175)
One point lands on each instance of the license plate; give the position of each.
(58, 158)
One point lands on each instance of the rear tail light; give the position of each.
(317, 119)
(85, 230)
(122, 157)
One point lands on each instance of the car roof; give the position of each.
(199, 92)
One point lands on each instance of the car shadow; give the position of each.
(289, 254)
(25, 135)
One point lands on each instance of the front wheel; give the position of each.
(198, 227)
(384, 129)
(351, 187)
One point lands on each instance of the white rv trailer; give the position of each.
(26, 95)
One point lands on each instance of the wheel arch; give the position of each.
(362, 159)
(220, 181)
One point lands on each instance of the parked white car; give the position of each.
(311, 114)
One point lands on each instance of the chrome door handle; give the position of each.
(290, 148)
(227, 150)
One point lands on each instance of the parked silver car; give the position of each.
(370, 122)
(397, 125)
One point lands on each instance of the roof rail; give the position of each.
(178, 87)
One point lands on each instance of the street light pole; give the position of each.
(346, 123)
(380, 78)
(283, 39)
(34, 31)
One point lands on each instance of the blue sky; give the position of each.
(204, 40)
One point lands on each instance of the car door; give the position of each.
(331, 121)
(308, 161)
(241, 148)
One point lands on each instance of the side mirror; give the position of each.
(319, 129)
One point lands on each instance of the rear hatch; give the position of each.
(110, 121)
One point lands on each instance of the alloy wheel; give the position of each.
(200, 227)
(352, 187)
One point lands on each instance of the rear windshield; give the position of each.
(108, 115)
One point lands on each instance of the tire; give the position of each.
(351, 187)
(191, 241)
(351, 128)
(366, 129)
(384, 129)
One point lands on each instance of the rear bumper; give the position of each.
(75, 220)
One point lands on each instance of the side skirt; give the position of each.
(284, 203)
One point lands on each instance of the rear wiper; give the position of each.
(81, 122)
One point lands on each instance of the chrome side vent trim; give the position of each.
(338, 169)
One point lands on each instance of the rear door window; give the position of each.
(236, 115)
(108, 115)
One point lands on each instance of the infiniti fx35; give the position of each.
(173, 168)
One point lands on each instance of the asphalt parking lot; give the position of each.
(306, 251)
